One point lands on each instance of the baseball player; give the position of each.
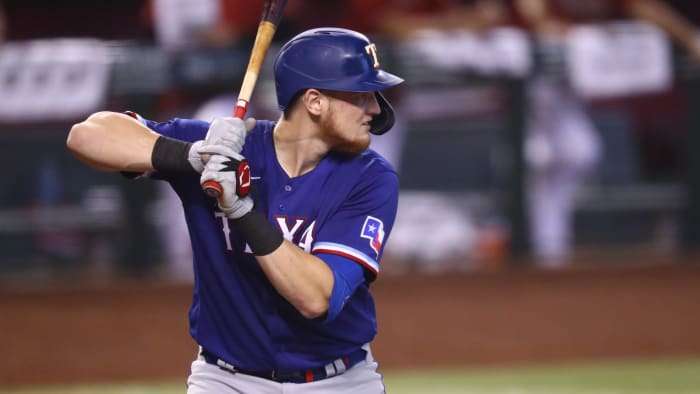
(284, 258)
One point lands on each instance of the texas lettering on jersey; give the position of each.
(305, 241)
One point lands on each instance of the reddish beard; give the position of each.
(333, 133)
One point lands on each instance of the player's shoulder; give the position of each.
(259, 139)
(371, 161)
(262, 129)
(366, 170)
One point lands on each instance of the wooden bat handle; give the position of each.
(266, 30)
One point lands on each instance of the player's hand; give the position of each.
(226, 137)
(233, 174)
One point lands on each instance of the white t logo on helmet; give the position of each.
(371, 50)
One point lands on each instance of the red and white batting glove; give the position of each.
(233, 174)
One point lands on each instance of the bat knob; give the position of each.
(212, 188)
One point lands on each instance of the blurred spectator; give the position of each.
(406, 17)
(561, 143)
(186, 25)
(372, 17)
(556, 16)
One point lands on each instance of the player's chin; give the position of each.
(356, 145)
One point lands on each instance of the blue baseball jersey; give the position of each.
(344, 207)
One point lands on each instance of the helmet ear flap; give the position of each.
(383, 122)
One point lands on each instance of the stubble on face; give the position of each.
(339, 137)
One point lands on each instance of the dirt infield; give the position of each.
(138, 331)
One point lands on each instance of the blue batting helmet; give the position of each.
(333, 59)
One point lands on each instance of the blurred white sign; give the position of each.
(52, 79)
(620, 58)
(498, 51)
(179, 23)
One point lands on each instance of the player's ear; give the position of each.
(313, 101)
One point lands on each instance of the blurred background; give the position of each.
(533, 137)
(526, 134)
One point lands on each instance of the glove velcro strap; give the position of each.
(261, 236)
(242, 170)
(171, 155)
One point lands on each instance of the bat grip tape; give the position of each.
(261, 236)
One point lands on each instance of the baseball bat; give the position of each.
(272, 12)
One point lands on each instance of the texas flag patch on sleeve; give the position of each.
(373, 229)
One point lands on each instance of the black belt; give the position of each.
(333, 368)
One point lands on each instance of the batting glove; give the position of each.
(195, 158)
(225, 136)
(233, 174)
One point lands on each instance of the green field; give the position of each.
(638, 377)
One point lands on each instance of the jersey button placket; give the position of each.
(287, 188)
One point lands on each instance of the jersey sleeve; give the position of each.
(360, 227)
(189, 130)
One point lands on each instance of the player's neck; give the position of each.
(298, 149)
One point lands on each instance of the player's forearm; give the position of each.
(110, 141)
(301, 278)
